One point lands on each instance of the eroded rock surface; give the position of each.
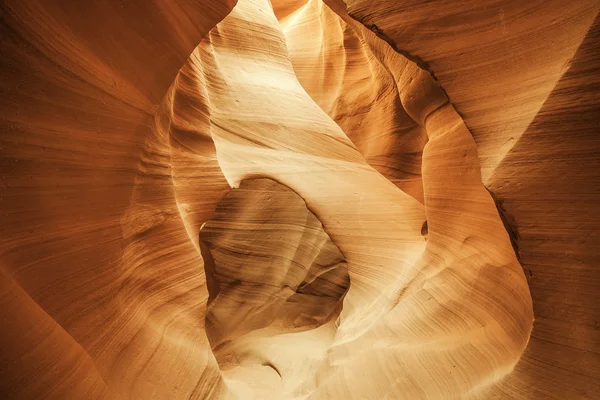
(361, 135)
(271, 270)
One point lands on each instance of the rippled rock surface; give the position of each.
(305, 199)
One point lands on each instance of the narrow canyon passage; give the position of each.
(300, 199)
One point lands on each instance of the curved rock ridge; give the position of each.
(366, 89)
(497, 60)
(313, 206)
(88, 310)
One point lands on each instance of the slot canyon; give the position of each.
(300, 199)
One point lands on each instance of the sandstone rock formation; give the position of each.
(306, 199)
(271, 270)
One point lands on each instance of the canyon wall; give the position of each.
(300, 199)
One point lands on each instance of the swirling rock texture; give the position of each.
(300, 199)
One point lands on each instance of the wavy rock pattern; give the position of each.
(96, 303)
(109, 175)
(497, 60)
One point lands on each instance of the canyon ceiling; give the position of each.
(300, 199)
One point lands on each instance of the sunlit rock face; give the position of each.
(312, 199)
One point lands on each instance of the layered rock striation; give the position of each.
(310, 199)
